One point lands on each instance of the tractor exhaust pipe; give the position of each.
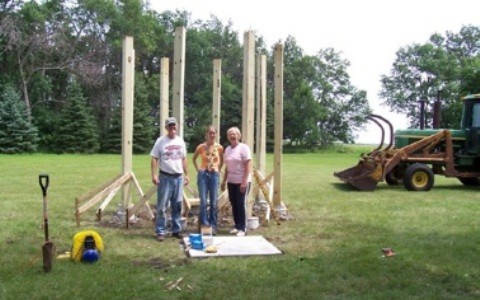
(437, 112)
(422, 114)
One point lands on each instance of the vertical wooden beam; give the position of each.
(248, 101)
(179, 77)
(164, 88)
(278, 84)
(217, 95)
(128, 73)
(261, 118)
(128, 68)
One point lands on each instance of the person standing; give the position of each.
(238, 162)
(208, 179)
(169, 157)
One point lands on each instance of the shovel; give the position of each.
(47, 247)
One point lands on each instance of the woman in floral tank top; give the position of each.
(211, 154)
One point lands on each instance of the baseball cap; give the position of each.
(170, 121)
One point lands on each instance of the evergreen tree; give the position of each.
(77, 129)
(17, 134)
(143, 123)
(46, 120)
(112, 143)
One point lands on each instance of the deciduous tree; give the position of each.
(445, 67)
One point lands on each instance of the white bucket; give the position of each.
(207, 240)
(253, 223)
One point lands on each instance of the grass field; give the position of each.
(332, 246)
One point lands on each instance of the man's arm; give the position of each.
(185, 171)
(194, 159)
(153, 167)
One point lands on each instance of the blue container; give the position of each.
(195, 238)
(198, 245)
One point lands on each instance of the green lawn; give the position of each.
(332, 246)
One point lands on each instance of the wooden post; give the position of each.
(261, 119)
(179, 77)
(128, 71)
(248, 88)
(164, 88)
(278, 84)
(217, 95)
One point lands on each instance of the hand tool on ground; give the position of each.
(47, 248)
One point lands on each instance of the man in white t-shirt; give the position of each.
(169, 159)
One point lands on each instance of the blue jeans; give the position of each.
(169, 190)
(207, 183)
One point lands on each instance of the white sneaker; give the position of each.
(241, 233)
(233, 231)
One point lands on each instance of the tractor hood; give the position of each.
(404, 137)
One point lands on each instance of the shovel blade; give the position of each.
(47, 250)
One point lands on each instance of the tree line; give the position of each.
(60, 89)
(445, 68)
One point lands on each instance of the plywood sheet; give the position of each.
(235, 246)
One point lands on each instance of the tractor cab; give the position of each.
(471, 123)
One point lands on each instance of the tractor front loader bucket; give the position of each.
(364, 176)
(369, 171)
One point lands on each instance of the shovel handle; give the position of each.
(43, 180)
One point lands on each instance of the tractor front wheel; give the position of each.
(418, 177)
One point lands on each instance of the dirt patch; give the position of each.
(114, 222)
(161, 263)
(113, 219)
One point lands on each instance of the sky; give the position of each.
(368, 33)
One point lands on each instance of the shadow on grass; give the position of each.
(456, 187)
(342, 186)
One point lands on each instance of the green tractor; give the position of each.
(420, 154)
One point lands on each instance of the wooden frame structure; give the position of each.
(106, 192)
(123, 182)
(264, 189)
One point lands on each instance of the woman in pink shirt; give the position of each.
(238, 162)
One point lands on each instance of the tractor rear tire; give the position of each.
(470, 181)
(418, 177)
